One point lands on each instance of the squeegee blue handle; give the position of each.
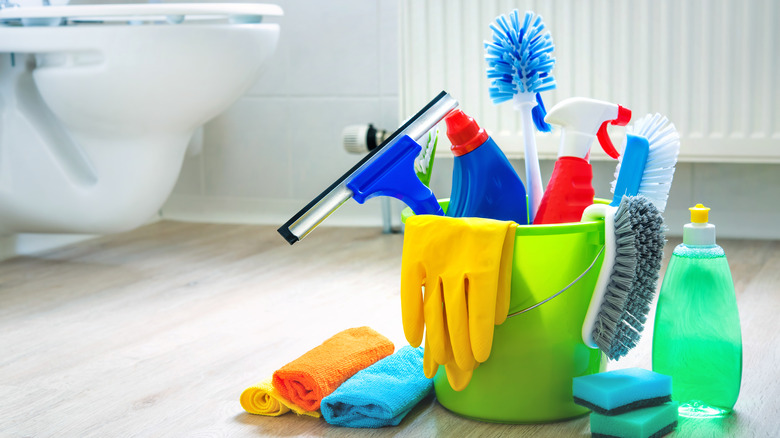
(632, 168)
(392, 174)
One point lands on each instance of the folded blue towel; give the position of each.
(380, 395)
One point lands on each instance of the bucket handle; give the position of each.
(560, 291)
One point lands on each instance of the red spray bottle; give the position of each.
(570, 189)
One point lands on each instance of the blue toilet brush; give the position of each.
(519, 65)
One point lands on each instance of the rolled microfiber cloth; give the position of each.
(652, 422)
(264, 399)
(318, 372)
(618, 391)
(380, 395)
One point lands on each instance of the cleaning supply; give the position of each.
(618, 391)
(316, 211)
(464, 266)
(317, 373)
(264, 399)
(380, 395)
(423, 164)
(509, 387)
(617, 273)
(648, 161)
(519, 65)
(652, 422)
(633, 249)
(484, 183)
(697, 337)
(570, 188)
(393, 174)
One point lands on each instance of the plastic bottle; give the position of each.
(697, 338)
(484, 183)
(570, 189)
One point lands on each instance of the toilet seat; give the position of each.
(170, 12)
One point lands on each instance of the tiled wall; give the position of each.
(280, 145)
(337, 64)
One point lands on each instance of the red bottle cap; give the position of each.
(464, 133)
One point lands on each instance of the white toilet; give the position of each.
(98, 104)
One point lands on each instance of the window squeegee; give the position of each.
(303, 222)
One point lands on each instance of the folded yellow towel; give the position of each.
(264, 399)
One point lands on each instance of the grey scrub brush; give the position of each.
(634, 241)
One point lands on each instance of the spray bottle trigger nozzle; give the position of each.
(622, 119)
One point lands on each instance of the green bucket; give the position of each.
(536, 354)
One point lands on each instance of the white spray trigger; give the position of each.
(582, 120)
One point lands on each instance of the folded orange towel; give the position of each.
(308, 379)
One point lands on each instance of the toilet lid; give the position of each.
(147, 11)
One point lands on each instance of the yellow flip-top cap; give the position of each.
(699, 214)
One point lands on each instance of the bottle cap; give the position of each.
(699, 214)
(699, 232)
(464, 133)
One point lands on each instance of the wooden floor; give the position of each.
(155, 333)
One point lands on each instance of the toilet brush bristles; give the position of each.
(519, 57)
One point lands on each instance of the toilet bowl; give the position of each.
(98, 104)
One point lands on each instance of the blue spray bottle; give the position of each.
(484, 183)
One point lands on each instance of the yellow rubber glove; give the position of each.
(458, 378)
(464, 267)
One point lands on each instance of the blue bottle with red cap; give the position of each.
(484, 183)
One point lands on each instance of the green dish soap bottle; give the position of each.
(697, 338)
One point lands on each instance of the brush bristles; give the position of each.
(421, 162)
(424, 162)
(639, 232)
(609, 321)
(519, 57)
(662, 155)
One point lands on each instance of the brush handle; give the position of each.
(392, 174)
(597, 212)
(525, 103)
(632, 168)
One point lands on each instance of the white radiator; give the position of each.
(712, 67)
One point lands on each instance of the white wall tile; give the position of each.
(387, 22)
(331, 48)
(247, 150)
(388, 117)
(316, 143)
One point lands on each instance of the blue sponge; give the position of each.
(620, 391)
(651, 422)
